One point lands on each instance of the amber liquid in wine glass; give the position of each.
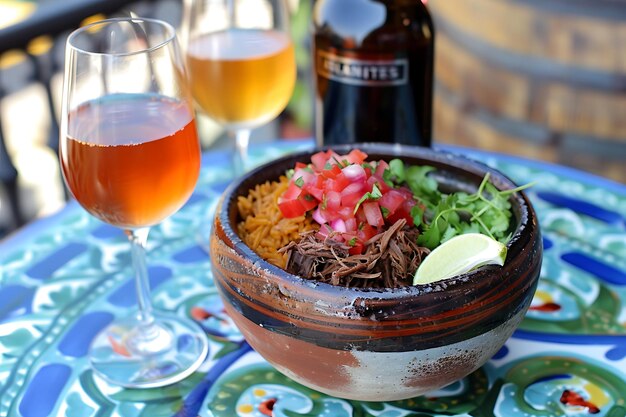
(132, 161)
(130, 155)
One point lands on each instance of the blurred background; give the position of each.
(542, 79)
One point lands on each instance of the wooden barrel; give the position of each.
(537, 78)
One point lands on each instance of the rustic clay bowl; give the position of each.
(376, 345)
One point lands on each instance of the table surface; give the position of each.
(63, 278)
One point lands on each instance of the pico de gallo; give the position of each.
(348, 196)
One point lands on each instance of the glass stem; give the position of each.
(242, 138)
(138, 239)
(232, 14)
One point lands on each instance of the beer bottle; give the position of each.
(373, 71)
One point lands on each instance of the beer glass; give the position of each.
(241, 64)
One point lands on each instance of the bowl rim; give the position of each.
(527, 221)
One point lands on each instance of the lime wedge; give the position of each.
(459, 255)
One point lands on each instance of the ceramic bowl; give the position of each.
(377, 344)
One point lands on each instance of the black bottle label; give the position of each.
(365, 72)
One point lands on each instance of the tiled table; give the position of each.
(62, 279)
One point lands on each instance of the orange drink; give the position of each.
(131, 160)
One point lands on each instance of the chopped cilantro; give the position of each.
(369, 166)
(339, 164)
(375, 194)
(442, 216)
(486, 211)
(417, 213)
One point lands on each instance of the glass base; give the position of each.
(135, 355)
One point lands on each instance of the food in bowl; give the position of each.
(347, 220)
(377, 343)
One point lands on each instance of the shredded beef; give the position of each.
(389, 261)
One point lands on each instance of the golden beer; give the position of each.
(242, 78)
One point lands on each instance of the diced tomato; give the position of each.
(315, 191)
(331, 172)
(291, 208)
(380, 184)
(307, 176)
(403, 212)
(372, 212)
(355, 187)
(342, 181)
(334, 158)
(337, 184)
(392, 218)
(392, 200)
(308, 201)
(356, 156)
(332, 186)
(369, 169)
(356, 248)
(319, 161)
(295, 202)
(404, 190)
(408, 204)
(406, 208)
(366, 232)
(381, 166)
(360, 218)
(351, 195)
(333, 200)
(353, 242)
(291, 193)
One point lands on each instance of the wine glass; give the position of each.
(241, 64)
(130, 155)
